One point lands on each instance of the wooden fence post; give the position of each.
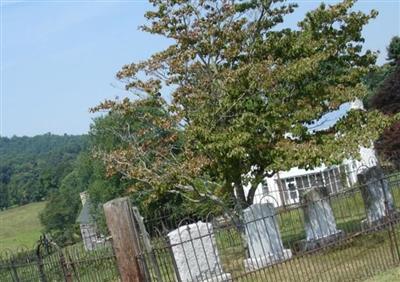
(120, 222)
(64, 266)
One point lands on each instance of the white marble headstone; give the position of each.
(263, 237)
(196, 253)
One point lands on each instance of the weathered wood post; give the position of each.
(120, 222)
(64, 266)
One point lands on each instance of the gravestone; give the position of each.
(320, 224)
(196, 255)
(375, 191)
(263, 237)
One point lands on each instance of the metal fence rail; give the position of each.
(344, 236)
(46, 262)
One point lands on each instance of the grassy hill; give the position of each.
(20, 226)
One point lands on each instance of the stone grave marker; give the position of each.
(263, 237)
(374, 190)
(196, 255)
(320, 224)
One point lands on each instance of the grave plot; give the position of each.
(263, 237)
(195, 253)
(319, 221)
(376, 195)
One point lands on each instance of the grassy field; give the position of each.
(388, 276)
(20, 226)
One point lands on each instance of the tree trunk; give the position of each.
(240, 195)
(258, 178)
(252, 192)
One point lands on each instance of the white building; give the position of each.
(285, 187)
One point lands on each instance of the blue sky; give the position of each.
(59, 58)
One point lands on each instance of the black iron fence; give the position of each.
(345, 236)
(46, 262)
(348, 235)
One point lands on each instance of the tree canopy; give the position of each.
(245, 90)
(394, 50)
(386, 99)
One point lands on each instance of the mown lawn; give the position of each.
(84, 266)
(20, 226)
(354, 258)
(387, 276)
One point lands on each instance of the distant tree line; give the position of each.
(32, 168)
(57, 168)
(89, 173)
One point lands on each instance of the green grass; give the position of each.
(387, 276)
(20, 226)
(84, 266)
(354, 258)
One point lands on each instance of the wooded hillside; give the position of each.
(31, 168)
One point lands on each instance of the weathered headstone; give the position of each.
(320, 224)
(375, 192)
(263, 237)
(196, 254)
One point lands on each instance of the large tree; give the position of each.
(245, 89)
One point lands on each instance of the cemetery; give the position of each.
(200, 141)
(324, 238)
(322, 233)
